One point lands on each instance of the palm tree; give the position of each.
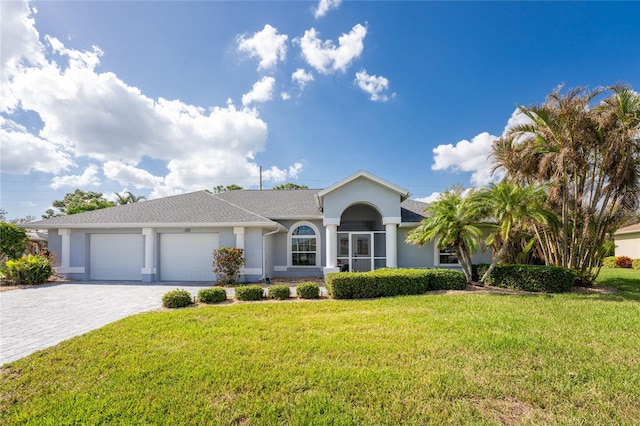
(128, 198)
(514, 208)
(452, 223)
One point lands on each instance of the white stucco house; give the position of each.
(627, 241)
(357, 224)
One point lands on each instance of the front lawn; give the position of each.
(434, 359)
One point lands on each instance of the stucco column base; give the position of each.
(326, 271)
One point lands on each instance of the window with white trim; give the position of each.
(448, 256)
(303, 246)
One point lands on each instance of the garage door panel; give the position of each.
(187, 257)
(116, 256)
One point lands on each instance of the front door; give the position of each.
(362, 252)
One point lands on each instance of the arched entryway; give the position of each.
(361, 239)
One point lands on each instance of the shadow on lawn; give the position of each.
(629, 289)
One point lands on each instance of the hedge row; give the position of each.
(536, 278)
(392, 282)
(620, 262)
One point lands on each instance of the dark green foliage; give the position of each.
(212, 295)
(609, 262)
(280, 292)
(477, 271)
(308, 291)
(178, 298)
(13, 240)
(624, 262)
(536, 278)
(77, 202)
(635, 264)
(249, 292)
(392, 282)
(31, 269)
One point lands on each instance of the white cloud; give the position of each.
(467, 156)
(301, 78)
(325, 6)
(94, 117)
(261, 91)
(325, 56)
(127, 174)
(285, 96)
(276, 174)
(88, 177)
(373, 85)
(430, 198)
(267, 45)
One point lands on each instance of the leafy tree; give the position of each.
(220, 188)
(77, 202)
(128, 198)
(3, 215)
(22, 220)
(589, 157)
(453, 222)
(290, 185)
(13, 241)
(514, 208)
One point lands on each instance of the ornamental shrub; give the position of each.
(392, 282)
(280, 292)
(249, 292)
(13, 241)
(536, 278)
(635, 264)
(31, 269)
(227, 262)
(178, 298)
(624, 262)
(212, 295)
(609, 262)
(308, 291)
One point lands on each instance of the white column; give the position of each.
(65, 260)
(149, 245)
(391, 228)
(331, 252)
(239, 232)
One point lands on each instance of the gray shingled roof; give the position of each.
(412, 211)
(200, 207)
(277, 203)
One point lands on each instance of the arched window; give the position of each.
(304, 245)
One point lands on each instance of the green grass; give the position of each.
(433, 359)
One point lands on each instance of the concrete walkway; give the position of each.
(39, 317)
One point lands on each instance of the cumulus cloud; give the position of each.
(267, 45)
(279, 175)
(88, 177)
(91, 117)
(373, 85)
(324, 6)
(467, 156)
(261, 91)
(301, 78)
(325, 57)
(430, 198)
(285, 96)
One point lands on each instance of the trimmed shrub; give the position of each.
(249, 292)
(227, 262)
(308, 291)
(609, 262)
(392, 282)
(31, 269)
(178, 298)
(280, 292)
(536, 278)
(477, 271)
(212, 295)
(635, 264)
(624, 262)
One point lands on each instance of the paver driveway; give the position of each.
(36, 318)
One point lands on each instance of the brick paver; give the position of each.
(36, 318)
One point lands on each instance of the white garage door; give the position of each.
(116, 256)
(187, 257)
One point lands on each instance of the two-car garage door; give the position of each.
(183, 257)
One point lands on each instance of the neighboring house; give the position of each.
(627, 241)
(357, 224)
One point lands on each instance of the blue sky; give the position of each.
(167, 97)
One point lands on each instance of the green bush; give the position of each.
(635, 264)
(31, 269)
(609, 262)
(249, 292)
(624, 262)
(13, 240)
(280, 292)
(392, 282)
(212, 295)
(178, 298)
(308, 291)
(536, 278)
